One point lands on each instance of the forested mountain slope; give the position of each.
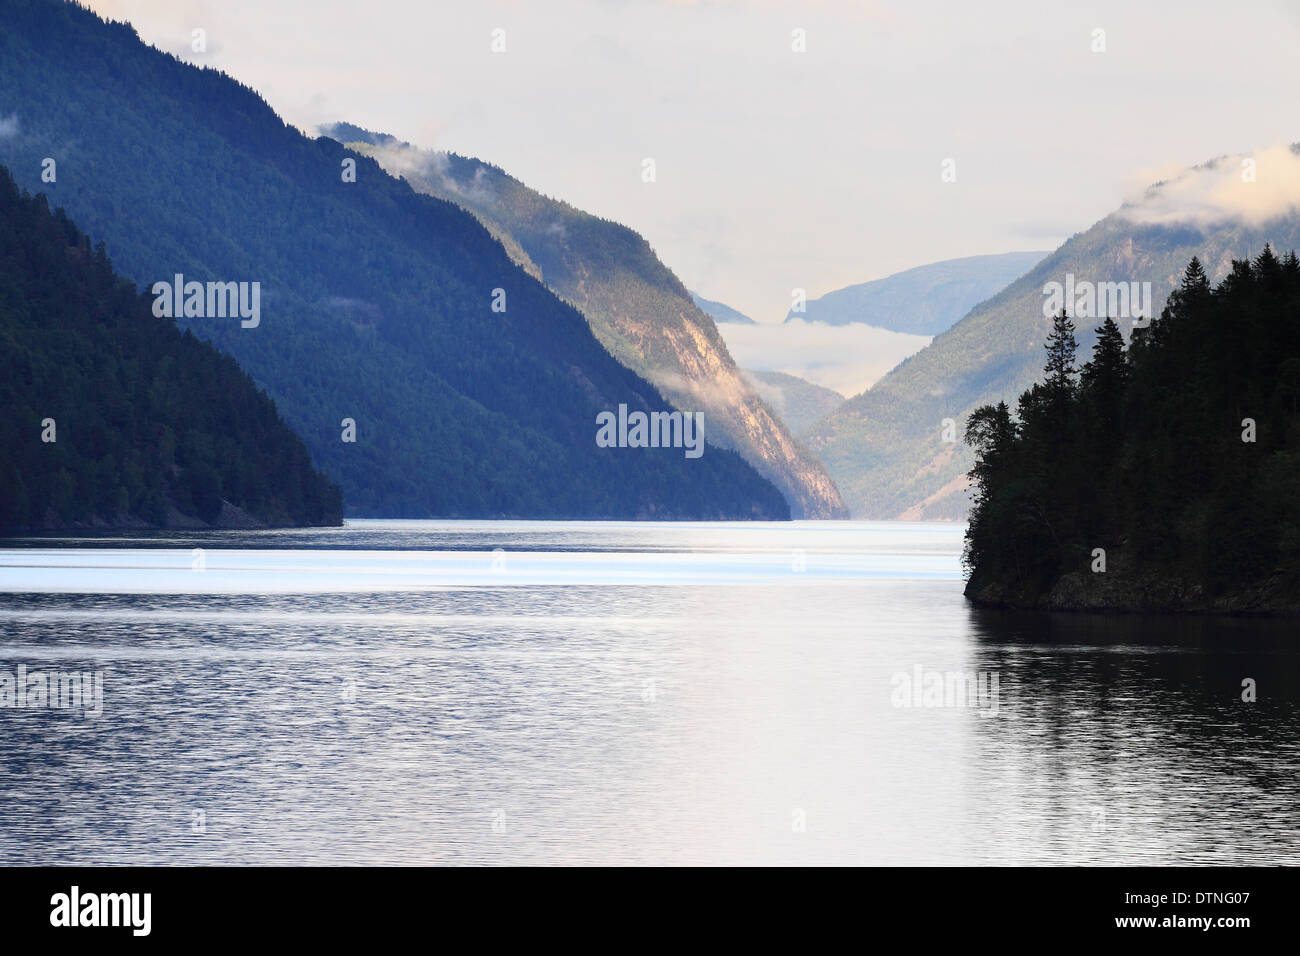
(636, 306)
(110, 415)
(376, 302)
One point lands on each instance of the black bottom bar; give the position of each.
(930, 905)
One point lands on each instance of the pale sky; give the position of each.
(778, 169)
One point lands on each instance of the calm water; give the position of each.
(493, 692)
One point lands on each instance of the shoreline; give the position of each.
(1079, 593)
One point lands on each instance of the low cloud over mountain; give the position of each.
(1250, 188)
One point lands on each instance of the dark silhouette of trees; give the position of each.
(1061, 349)
(1180, 453)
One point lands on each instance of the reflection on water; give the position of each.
(1136, 726)
(605, 692)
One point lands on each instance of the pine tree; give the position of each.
(1108, 370)
(1061, 349)
(1059, 388)
(1267, 264)
(1102, 384)
(992, 434)
(1194, 278)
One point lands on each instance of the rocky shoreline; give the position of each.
(1137, 593)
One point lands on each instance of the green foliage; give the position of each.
(1144, 455)
(376, 301)
(145, 416)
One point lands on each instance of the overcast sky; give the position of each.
(778, 169)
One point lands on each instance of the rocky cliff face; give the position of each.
(635, 305)
(705, 377)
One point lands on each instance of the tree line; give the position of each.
(1175, 455)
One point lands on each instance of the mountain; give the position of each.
(886, 447)
(380, 309)
(110, 415)
(798, 401)
(636, 306)
(721, 312)
(926, 300)
(1161, 477)
(846, 359)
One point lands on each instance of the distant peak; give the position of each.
(351, 133)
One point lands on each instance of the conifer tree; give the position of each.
(1194, 278)
(1108, 371)
(1061, 349)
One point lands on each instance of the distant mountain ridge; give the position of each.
(926, 300)
(377, 303)
(886, 448)
(720, 311)
(635, 305)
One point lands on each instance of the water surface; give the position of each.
(538, 692)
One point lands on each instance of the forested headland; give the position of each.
(1161, 475)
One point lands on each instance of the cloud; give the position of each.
(401, 160)
(705, 394)
(481, 190)
(846, 358)
(406, 161)
(773, 395)
(1252, 189)
(8, 125)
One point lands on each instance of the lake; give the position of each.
(596, 692)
